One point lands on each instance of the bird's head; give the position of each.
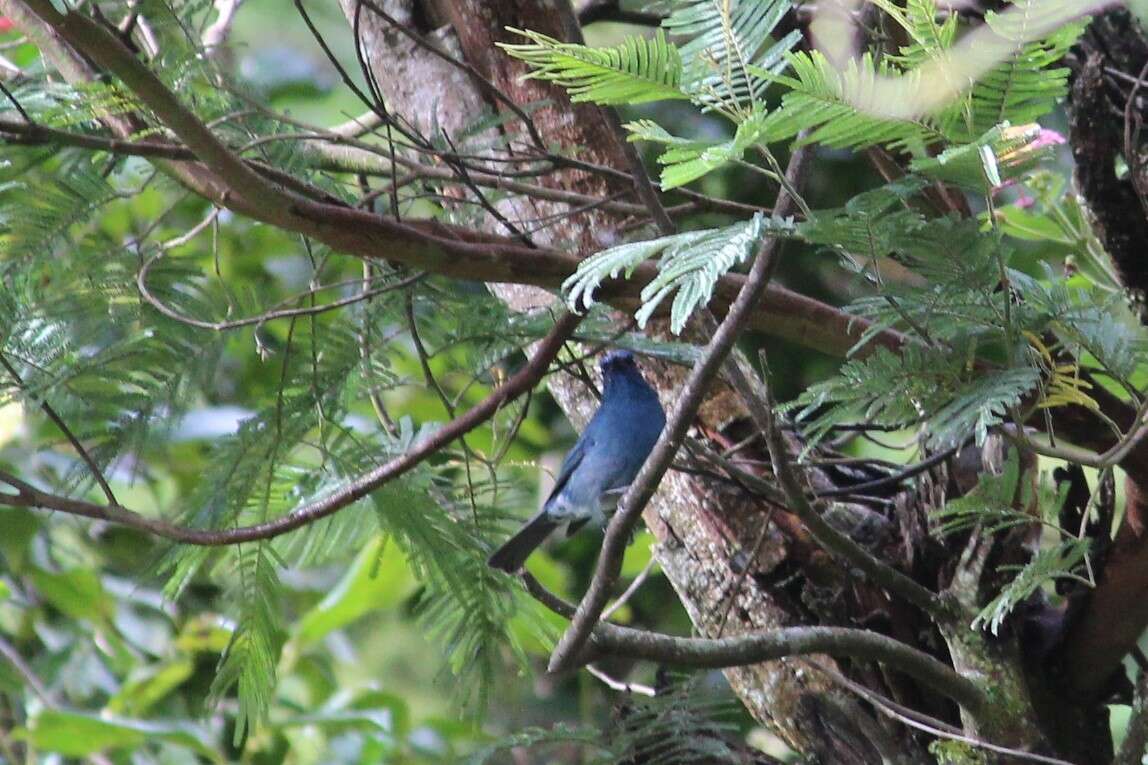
(623, 382)
(617, 361)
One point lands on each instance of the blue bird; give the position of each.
(604, 461)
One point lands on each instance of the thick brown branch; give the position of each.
(109, 52)
(433, 247)
(717, 653)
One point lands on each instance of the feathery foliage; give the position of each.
(689, 267)
(1028, 84)
(727, 48)
(991, 508)
(637, 71)
(731, 50)
(686, 723)
(1061, 561)
(250, 659)
(816, 101)
(686, 160)
(128, 326)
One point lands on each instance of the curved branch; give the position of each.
(693, 393)
(434, 247)
(718, 653)
(274, 313)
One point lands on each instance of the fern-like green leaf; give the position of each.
(690, 273)
(249, 662)
(929, 386)
(689, 267)
(637, 71)
(686, 160)
(729, 49)
(816, 102)
(1047, 565)
(1027, 85)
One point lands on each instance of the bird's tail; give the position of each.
(517, 549)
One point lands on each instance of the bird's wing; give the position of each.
(573, 459)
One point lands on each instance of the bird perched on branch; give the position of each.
(604, 461)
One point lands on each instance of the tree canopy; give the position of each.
(302, 306)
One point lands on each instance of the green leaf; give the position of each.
(1029, 226)
(989, 504)
(1027, 85)
(78, 734)
(689, 267)
(78, 593)
(147, 688)
(686, 160)
(933, 386)
(376, 579)
(816, 103)
(730, 53)
(636, 71)
(250, 661)
(1048, 564)
(999, 155)
(204, 633)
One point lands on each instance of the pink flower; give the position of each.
(1046, 137)
(1034, 139)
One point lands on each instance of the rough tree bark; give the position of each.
(702, 526)
(1102, 120)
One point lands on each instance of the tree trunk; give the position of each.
(706, 529)
(739, 564)
(701, 525)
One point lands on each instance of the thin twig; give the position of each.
(107, 51)
(890, 480)
(628, 593)
(476, 76)
(1132, 140)
(640, 492)
(762, 411)
(9, 652)
(930, 725)
(525, 379)
(744, 572)
(97, 474)
(271, 315)
(620, 685)
(435, 247)
(16, 103)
